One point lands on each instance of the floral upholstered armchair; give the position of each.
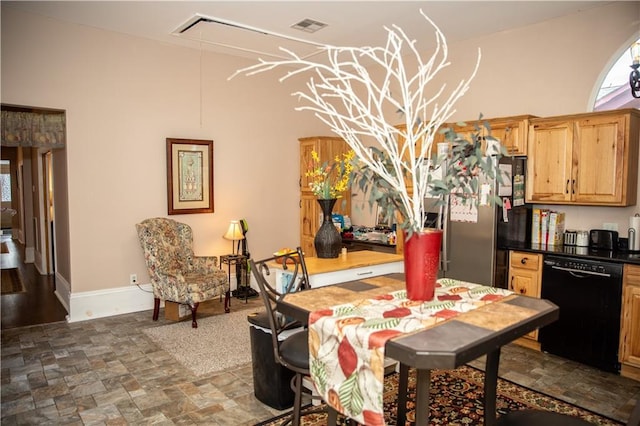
(177, 275)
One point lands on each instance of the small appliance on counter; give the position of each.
(572, 237)
(634, 233)
(603, 240)
(582, 238)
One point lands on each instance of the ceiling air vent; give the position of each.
(309, 25)
(227, 36)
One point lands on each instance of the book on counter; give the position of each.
(547, 227)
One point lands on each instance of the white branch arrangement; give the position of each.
(358, 108)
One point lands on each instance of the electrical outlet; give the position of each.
(610, 226)
(133, 279)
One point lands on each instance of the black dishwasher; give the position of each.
(589, 295)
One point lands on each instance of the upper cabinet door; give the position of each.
(585, 159)
(549, 163)
(306, 162)
(599, 150)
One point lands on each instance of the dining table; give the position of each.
(464, 322)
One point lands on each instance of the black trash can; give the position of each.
(271, 381)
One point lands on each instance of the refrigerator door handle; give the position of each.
(444, 253)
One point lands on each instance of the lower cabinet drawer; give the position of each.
(282, 277)
(321, 280)
(523, 260)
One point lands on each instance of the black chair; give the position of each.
(548, 418)
(293, 351)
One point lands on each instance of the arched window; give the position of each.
(615, 92)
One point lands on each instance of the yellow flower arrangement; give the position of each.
(329, 181)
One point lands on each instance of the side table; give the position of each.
(242, 282)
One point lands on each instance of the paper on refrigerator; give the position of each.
(459, 211)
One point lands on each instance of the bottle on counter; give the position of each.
(347, 222)
(392, 238)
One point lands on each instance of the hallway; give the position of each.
(39, 304)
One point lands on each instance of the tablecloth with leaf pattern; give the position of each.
(346, 342)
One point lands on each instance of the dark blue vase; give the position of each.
(328, 242)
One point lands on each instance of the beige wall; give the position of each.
(551, 68)
(125, 95)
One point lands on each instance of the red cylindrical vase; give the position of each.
(421, 263)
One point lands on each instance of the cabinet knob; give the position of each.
(524, 260)
(523, 291)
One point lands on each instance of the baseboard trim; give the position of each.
(105, 303)
(63, 291)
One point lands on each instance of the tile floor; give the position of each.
(107, 372)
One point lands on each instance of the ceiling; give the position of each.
(259, 28)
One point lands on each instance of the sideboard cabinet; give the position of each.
(584, 159)
(310, 213)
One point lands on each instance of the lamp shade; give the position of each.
(234, 232)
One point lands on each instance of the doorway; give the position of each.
(36, 248)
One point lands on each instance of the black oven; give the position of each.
(589, 295)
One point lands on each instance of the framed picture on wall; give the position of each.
(189, 176)
(380, 221)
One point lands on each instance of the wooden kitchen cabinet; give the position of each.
(629, 353)
(584, 159)
(310, 213)
(525, 276)
(510, 131)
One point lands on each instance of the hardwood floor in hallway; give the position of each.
(39, 304)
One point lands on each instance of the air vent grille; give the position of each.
(309, 25)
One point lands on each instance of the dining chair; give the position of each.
(290, 350)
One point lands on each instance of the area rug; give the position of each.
(220, 342)
(456, 398)
(4, 248)
(11, 281)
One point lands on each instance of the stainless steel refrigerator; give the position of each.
(476, 251)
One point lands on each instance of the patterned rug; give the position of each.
(11, 281)
(456, 399)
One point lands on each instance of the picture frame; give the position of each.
(380, 221)
(189, 176)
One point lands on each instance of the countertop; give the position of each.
(355, 259)
(574, 251)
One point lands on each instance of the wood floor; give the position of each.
(39, 304)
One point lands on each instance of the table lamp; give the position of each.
(234, 233)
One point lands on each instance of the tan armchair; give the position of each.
(177, 275)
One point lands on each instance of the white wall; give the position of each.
(124, 96)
